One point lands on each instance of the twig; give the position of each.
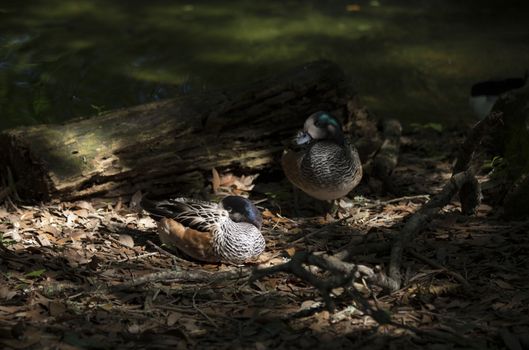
(418, 220)
(377, 203)
(405, 198)
(435, 264)
(138, 257)
(202, 312)
(166, 253)
(177, 274)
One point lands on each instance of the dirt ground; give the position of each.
(82, 275)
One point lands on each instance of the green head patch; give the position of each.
(325, 119)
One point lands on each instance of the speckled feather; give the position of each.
(233, 242)
(327, 167)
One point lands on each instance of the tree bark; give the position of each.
(168, 146)
(509, 180)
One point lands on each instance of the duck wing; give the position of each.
(198, 215)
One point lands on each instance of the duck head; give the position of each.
(320, 126)
(242, 210)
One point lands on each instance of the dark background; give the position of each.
(411, 60)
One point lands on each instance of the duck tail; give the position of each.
(157, 209)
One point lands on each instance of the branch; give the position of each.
(195, 276)
(463, 181)
(418, 220)
(341, 275)
(470, 193)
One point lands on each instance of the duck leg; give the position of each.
(196, 244)
(334, 207)
(295, 192)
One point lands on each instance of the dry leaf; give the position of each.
(503, 284)
(267, 214)
(56, 308)
(192, 327)
(146, 222)
(77, 235)
(291, 251)
(119, 204)
(107, 307)
(43, 240)
(215, 181)
(6, 293)
(126, 240)
(309, 304)
(83, 213)
(352, 8)
(3, 213)
(173, 317)
(84, 205)
(134, 328)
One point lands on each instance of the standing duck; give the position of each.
(228, 231)
(325, 165)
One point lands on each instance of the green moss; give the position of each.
(410, 61)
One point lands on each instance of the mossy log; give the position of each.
(168, 146)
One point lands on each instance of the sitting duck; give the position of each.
(228, 231)
(324, 165)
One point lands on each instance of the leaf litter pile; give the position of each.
(93, 274)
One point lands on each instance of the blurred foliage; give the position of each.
(413, 60)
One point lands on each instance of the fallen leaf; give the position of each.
(6, 293)
(106, 307)
(126, 240)
(146, 222)
(43, 240)
(215, 181)
(192, 328)
(56, 308)
(82, 213)
(291, 251)
(84, 205)
(77, 235)
(267, 214)
(134, 328)
(172, 318)
(309, 304)
(352, 8)
(503, 284)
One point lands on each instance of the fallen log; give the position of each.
(168, 146)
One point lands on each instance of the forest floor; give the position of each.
(83, 275)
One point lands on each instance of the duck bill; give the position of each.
(302, 138)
